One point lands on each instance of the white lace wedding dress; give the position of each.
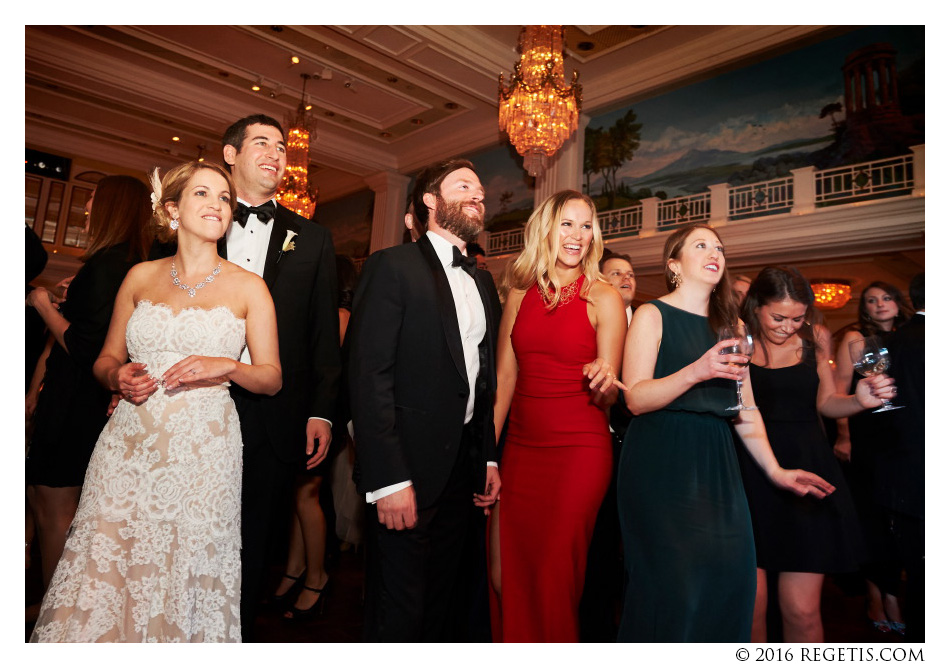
(153, 554)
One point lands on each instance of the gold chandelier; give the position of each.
(295, 192)
(831, 293)
(537, 110)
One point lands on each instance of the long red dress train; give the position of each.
(555, 468)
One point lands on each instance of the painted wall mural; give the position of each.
(509, 191)
(758, 122)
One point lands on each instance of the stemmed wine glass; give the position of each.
(745, 347)
(870, 357)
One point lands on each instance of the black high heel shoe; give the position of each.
(295, 614)
(281, 600)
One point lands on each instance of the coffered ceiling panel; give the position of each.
(385, 98)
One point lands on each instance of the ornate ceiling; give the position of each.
(385, 98)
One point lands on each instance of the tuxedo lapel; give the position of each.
(283, 221)
(450, 318)
(223, 246)
(484, 285)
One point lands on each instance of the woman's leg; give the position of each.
(799, 596)
(759, 631)
(295, 557)
(313, 531)
(53, 510)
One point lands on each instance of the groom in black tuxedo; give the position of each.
(422, 383)
(284, 433)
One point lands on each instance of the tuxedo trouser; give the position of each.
(419, 580)
(267, 487)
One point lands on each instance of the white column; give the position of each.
(651, 216)
(918, 152)
(565, 169)
(803, 189)
(389, 209)
(718, 204)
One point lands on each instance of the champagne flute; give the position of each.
(870, 358)
(745, 346)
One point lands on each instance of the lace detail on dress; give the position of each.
(153, 554)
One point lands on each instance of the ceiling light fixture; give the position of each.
(537, 110)
(831, 293)
(295, 192)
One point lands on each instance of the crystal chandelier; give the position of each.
(831, 293)
(294, 191)
(537, 110)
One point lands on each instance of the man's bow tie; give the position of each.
(265, 212)
(466, 263)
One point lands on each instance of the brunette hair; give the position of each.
(120, 213)
(776, 284)
(904, 311)
(173, 186)
(723, 309)
(237, 131)
(535, 265)
(610, 255)
(430, 181)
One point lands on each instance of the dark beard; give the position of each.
(452, 218)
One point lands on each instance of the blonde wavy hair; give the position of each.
(535, 265)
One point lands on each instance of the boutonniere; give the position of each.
(289, 244)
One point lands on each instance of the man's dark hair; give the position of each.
(610, 255)
(430, 181)
(474, 249)
(237, 132)
(916, 291)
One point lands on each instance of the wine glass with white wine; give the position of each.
(870, 358)
(745, 346)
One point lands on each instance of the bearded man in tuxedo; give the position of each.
(290, 431)
(422, 383)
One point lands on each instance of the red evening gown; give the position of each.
(555, 468)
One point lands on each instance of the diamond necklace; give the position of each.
(192, 290)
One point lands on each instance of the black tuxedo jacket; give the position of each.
(303, 284)
(899, 479)
(408, 384)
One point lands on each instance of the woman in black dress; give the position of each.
(306, 553)
(861, 438)
(71, 409)
(800, 538)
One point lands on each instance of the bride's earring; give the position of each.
(173, 224)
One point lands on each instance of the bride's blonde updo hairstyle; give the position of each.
(535, 265)
(170, 187)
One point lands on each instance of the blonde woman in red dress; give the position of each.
(559, 346)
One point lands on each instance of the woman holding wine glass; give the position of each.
(800, 538)
(684, 518)
(881, 310)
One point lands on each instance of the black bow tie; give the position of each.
(466, 263)
(265, 212)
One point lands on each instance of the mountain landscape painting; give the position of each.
(760, 121)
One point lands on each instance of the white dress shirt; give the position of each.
(472, 328)
(247, 248)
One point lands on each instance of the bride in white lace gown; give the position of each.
(153, 554)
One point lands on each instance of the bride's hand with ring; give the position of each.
(196, 368)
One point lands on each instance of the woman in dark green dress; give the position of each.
(690, 556)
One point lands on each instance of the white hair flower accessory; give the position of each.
(156, 195)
